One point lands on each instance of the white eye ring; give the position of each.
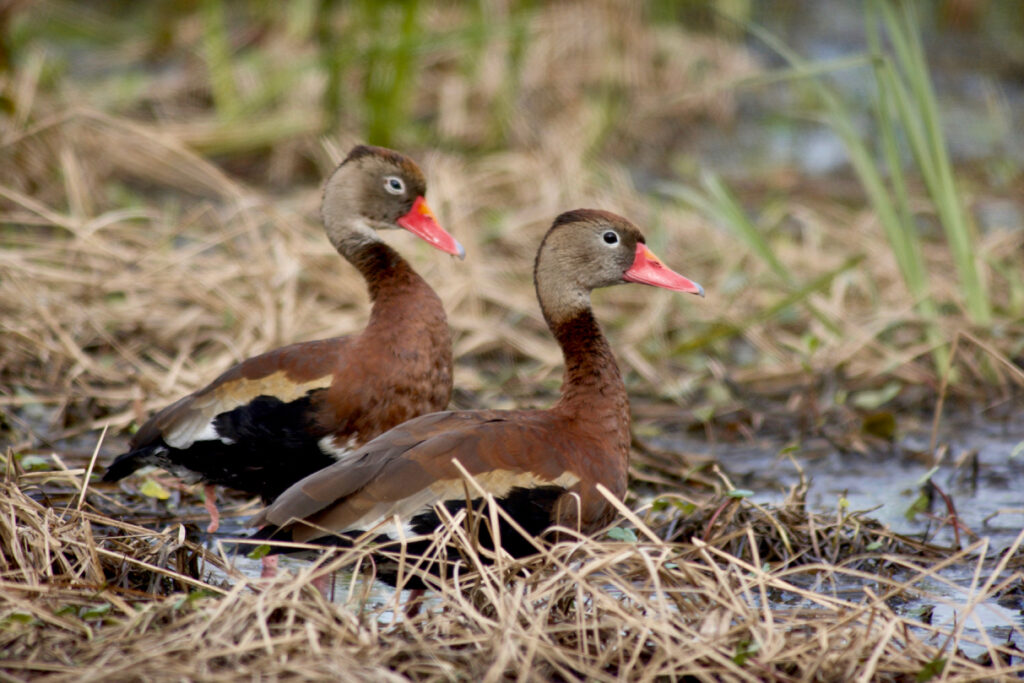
(611, 238)
(394, 185)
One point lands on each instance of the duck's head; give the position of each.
(379, 189)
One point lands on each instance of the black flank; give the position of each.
(274, 446)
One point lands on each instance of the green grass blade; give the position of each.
(720, 205)
(802, 294)
(732, 215)
(217, 51)
(900, 232)
(390, 64)
(335, 54)
(920, 116)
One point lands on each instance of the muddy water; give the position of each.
(979, 472)
(982, 472)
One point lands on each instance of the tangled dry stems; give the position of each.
(87, 596)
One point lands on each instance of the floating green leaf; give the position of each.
(195, 596)
(1017, 451)
(918, 506)
(931, 669)
(152, 489)
(704, 413)
(95, 612)
(881, 424)
(926, 477)
(870, 399)
(686, 507)
(16, 618)
(259, 552)
(744, 650)
(34, 463)
(622, 534)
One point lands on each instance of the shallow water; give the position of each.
(987, 491)
(345, 588)
(980, 97)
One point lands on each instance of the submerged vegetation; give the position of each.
(158, 193)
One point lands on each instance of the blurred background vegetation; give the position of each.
(845, 179)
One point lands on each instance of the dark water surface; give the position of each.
(982, 472)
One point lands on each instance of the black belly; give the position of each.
(274, 444)
(270, 445)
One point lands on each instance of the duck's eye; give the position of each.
(610, 237)
(394, 184)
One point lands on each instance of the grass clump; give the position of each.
(724, 604)
(906, 118)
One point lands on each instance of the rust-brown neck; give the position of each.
(592, 389)
(400, 296)
(382, 267)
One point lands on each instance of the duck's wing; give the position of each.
(412, 467)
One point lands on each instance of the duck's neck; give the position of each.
(399, 295)
(592, 387)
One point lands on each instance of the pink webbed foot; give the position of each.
(268, 567)
(325, 584)
(210, 503)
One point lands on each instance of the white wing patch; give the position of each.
(210, 433)
(187, 433)
(339, 452)
(396, 532)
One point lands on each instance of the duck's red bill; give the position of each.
(420, 221)
(647, 269)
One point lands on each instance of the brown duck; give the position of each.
(273, 419)
(543, 466)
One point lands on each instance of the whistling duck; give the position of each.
(542, 466)
(273, 419)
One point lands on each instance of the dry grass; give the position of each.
(147, 242)
(87, 596)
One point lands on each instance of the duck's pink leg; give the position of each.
(325, 584)
(269, 567)
(210, 503)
